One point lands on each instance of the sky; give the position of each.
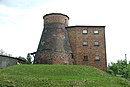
(21, 23)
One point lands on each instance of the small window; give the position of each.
(72, 56)
(65, 20)
(96, 32)
(85, 58)
(85, 43)
(97, 58)
(96, 43)
(85, 31)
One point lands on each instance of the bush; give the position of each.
(120, 68)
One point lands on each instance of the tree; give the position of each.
(20, 57)
(112, 69)
(119, 69)
(2, 52)
(29, 61)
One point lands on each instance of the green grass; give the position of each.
(58, 76)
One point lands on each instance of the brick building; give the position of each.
(63, 44)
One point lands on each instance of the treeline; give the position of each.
(2, 52)
(121, 69)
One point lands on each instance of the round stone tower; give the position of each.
(54, 46)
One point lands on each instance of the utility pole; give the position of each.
(125, 56)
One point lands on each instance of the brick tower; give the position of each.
(54, 46)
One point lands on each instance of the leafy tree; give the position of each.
(29, 61)
(21, 58)
(112, 69)
(119, 69)
(2, 52)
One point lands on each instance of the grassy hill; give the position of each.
(58, 76)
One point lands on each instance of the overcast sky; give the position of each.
(21, 23)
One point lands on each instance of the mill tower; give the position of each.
(54, 46)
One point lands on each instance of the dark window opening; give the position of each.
(65, 20)
(72, 56)
(85, 58)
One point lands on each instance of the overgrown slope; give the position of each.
(58, 76)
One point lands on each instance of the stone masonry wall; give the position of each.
(77, 37)
(54, 46)
(51, 57)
